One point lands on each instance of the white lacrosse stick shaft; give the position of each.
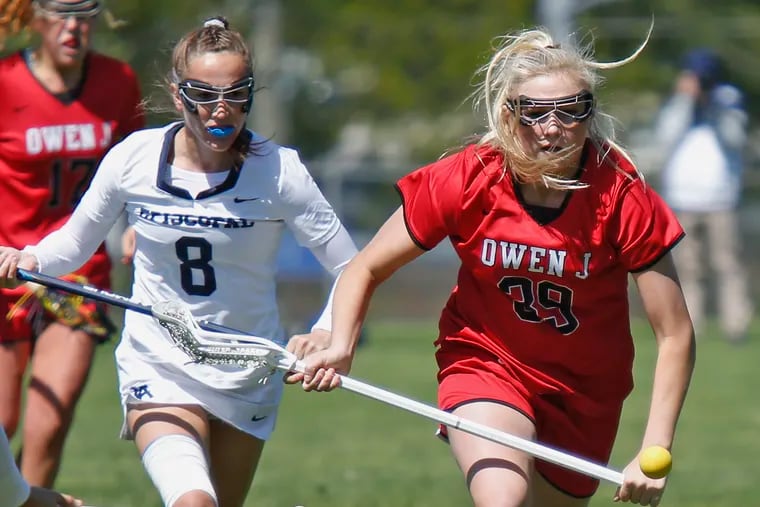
(535, 449)
(288, 362)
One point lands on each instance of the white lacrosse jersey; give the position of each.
(215, 251)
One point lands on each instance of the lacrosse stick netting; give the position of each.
(222, 348)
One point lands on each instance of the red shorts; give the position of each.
(26, 319)
(563, 420)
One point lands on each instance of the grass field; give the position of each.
(339, 449)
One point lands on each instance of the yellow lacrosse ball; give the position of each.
(655, 462)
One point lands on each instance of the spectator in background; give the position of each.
(63, 106)
(702, 129)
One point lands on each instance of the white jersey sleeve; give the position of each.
(334, 256)
(314, 224)
(310, 216)
(13, 488)
(306, 211)
(68, 248)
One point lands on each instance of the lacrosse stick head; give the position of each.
(176, 318)
(216, 348)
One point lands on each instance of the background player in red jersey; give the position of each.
(63, 107)
(548, 216)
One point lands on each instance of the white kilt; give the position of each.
(225, 392)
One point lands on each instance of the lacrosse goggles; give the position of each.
(195, 93)
(81, 10)
(568, 110)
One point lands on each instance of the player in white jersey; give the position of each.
(209, 201)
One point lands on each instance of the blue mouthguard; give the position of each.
(220, 131)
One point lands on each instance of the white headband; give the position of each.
(214, 22)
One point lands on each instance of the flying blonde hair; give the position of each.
(520, 56)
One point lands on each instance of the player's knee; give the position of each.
(195, 498)
(44, 420)
(178, 467)
(55, 405)
(498, 484)
(500, 499)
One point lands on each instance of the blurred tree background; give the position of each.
(400, 71)
(367, 90)
(374, 88)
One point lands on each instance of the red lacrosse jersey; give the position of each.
(548, 299)
(50, 145)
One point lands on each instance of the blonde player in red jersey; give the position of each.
(548, 216)
(63, 107)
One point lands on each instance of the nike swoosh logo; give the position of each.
(243, 199)
(257, 418)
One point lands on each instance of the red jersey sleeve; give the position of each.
(644, 227)
(431, 197)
